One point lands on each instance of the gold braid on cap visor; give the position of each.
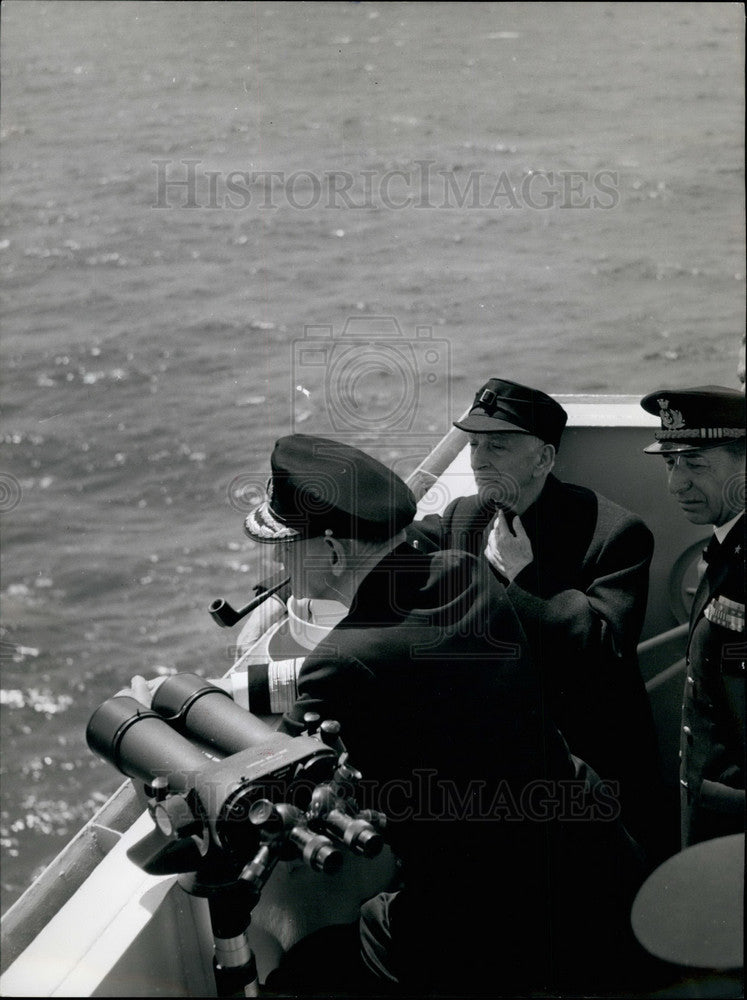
(261, 525)
(700, 433)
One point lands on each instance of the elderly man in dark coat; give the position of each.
(702, 442)
(512, 851)
(575, 569)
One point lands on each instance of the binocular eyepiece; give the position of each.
(144, 742)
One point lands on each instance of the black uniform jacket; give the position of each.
(441, 709)
(581, 602)
(713, 712)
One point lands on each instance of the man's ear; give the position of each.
(545, 460)
(336, 554)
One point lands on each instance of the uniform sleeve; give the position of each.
(607, 616)
(334, 688)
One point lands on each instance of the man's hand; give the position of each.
(508, 550)
(142, 690)
(258, 622)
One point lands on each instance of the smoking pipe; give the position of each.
(227, 616)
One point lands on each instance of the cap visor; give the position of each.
(262, 525)
(677, 447)
(482, 424)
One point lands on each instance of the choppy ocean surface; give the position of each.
(205, 204)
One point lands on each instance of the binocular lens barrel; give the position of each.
(208, 713)
(141, 744)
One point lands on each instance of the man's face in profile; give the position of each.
(307, 563)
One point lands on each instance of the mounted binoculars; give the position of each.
(226, 792)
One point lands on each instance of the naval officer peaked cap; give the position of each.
(500, 405)
(319, 486)
(705, 416)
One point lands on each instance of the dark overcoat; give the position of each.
(510, 848)
(582, 602)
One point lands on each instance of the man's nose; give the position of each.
(478, 455)
(679, 480)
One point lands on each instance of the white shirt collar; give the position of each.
(311, 619)
(723, 529)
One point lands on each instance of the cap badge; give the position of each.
(672, 420)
